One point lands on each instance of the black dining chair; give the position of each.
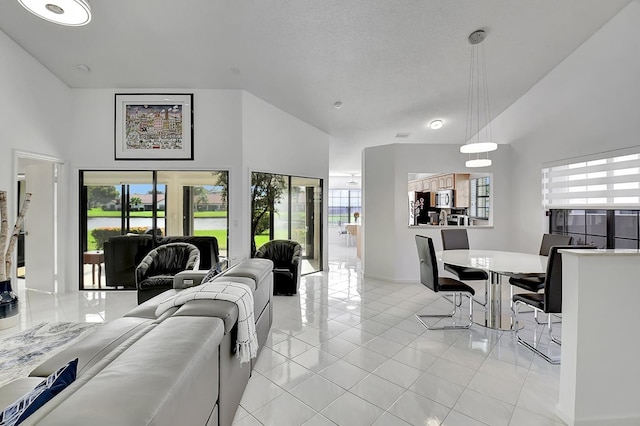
(549, 302)
(448, 286)
(535, 282)
(457, 239)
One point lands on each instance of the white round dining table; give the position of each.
(497, 264)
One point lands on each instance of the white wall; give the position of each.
(217, 146)
(275, 141)
(233, 130)
(589, 103)
(34, 116)
(389, 245)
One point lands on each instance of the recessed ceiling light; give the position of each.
(436, 124)
(72, 13)
(83, 68)
(337, 105)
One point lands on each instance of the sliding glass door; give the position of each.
(160, 203)
(288, 207)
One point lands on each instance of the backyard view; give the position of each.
(104, 216)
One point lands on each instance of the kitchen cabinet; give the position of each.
(463, 190)
(456, 181)
(415, 186)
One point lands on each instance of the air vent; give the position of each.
(402, 135)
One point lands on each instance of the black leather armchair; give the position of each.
(155, 273)
(123, 253)
(286, 256)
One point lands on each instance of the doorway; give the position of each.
(38, 242)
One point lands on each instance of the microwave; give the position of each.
(444, 199)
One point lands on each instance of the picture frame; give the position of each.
(153, 126)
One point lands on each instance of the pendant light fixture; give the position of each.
(478, 137)
(73, 13)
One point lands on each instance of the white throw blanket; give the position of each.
(240, 294)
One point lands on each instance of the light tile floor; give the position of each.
(347, 350)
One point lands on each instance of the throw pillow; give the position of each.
(215, 270)
(40, 395)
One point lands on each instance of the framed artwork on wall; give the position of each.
(151, 126)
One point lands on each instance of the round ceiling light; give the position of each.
(474, 148)
(478, 162)
(436, 124)
(73, 13)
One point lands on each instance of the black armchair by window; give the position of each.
(448, 286)
(286, 256)
(549, 302)
(457, 239)
(155, 273)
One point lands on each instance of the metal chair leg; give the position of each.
(553, 338)
(456, 307)
(533, 347)
(486, 295)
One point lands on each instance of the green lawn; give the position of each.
(98, 212)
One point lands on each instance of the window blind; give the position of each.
(601, 182)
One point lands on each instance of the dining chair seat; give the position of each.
(535, 300)
(453, 285)
(465, 273)
(530, 282)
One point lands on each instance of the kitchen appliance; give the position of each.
(458, 220)
(444, 199)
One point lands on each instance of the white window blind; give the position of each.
(612, 182)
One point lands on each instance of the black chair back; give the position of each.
(428, 262)
(549, 240)
(553, 279)
(454, 239)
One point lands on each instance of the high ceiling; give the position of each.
(394, 64)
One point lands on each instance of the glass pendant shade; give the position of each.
(473, 148)
(478, 162)
(72, 13)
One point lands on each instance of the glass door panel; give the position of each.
(182, 203)
(115, 203)
(306, 202)
(196, 204)
(288, 207)
(281, 215)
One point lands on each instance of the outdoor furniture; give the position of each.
(93, 258)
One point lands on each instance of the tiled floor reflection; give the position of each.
(347, 351)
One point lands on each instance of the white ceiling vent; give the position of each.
(402, 135)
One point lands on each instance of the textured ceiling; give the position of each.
(395, 64)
